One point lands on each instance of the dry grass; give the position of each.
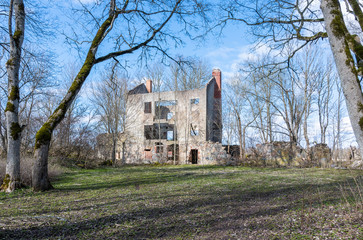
(26, 164)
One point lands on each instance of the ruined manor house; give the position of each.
(177, 127)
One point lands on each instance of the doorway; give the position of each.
(194, 153)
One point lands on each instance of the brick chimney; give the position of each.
(149, 86)
(217, 74)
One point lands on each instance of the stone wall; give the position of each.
(321, 155)
(207, 153)
(288, 154)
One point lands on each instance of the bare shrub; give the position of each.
(26, 165)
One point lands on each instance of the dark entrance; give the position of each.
(194, 153)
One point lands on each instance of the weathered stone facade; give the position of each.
(180, 127)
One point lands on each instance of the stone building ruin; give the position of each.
(179, 127)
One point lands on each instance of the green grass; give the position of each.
(189, 202)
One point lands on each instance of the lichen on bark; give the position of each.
(338, 26)
(17, 34)
(9, 107)
(15, 130)
(361, 123)
(10, 62)
(14, 93)
(340, 30)
(21, 7)
(6, 182)
(357, 11)
(43, 136)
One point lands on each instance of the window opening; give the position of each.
(148, 154)
(171, 149)
(149, 132)
(159, 147)
(163, 109)
(153, 132)
(194, 156)
(170, 136)
(166, 103)
(194, 100)
(193, 130)
(147, 107)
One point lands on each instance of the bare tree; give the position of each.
(258, 79)
(308, 72)
(293, 105)
(188, 73)
(228, 121)
(16, 37)
(324, 98)
(302, 22)
(261, 98)
(337, 121)
(241, 106)
(284, 94)
(157, 73)
(109, 98)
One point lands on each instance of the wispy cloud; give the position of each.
(229, 59)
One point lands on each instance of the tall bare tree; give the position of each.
(258, 78)
(324, 96)
(188, 73)
(240, 104)
(337, 121)
(141, 25)
(109, 98)
(308, 69)
(16, 37)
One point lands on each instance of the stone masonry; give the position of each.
(180, 127)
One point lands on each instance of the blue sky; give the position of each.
(221, 52)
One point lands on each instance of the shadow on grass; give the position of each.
(208, 211)
(157, 175)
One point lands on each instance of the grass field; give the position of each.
(189, 202)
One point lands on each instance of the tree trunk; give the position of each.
(3, 139)
(124, 149)
(240, 137)
(339, 43)
(40, 180)
(306, 136)
(114, 143)
(12, 175)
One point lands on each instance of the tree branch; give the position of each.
(142, 44)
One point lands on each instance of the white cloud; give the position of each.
(229, 59)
